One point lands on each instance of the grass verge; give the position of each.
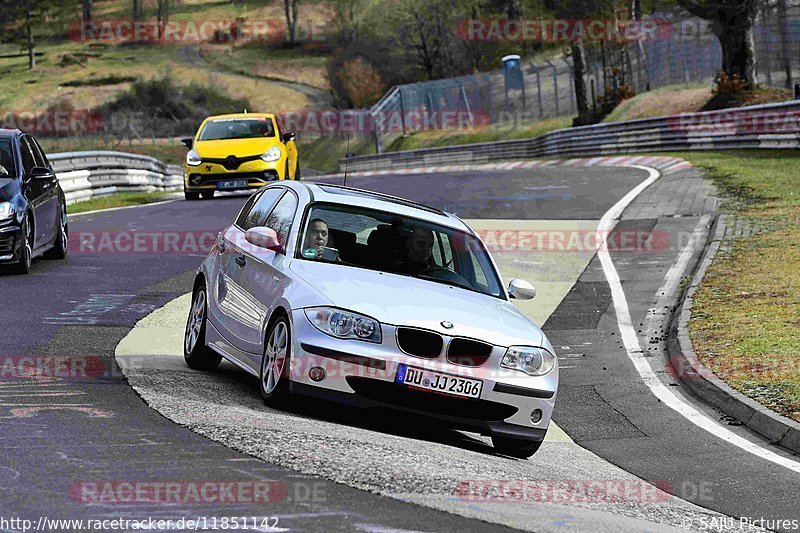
(120, 199)
(745, 322)
(435, 138)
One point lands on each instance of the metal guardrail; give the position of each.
(85, 175)
(763, 126)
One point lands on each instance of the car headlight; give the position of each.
(344, 324)
(7, 211)
(273, 154)
(532, 361)
(193, 159)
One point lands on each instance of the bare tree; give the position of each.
(163, 9)
(137, 9)
(87, 10)
(290, 8)
(785, 45)
(578, 75)
(732, 23)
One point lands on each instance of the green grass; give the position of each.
(432, 139)
(746, 314)
(121, 199)
(323, 153)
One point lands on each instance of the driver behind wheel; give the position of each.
(419, 258)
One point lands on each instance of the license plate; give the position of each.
(232, 184)
(436, 382)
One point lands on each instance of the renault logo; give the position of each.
(446, 325)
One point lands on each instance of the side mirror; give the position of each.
(288, 136)
(41, 173)
(187, 142)
(521, 289)
(263, 237)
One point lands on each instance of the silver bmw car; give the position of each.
(375, 301)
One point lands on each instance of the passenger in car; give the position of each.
(315, 244)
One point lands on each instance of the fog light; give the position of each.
(317, 373)
(536, 416)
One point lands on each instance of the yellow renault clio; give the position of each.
(238, 152)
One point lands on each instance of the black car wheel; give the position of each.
(207, 195)
(26, 249)
(519, 448)
(297, 170)
(61, 246)
(195, 352)
(191, 195)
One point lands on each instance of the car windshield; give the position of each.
(237, 128)
(6, 159)
(389, 242)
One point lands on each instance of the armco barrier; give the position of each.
(85, 175)
(762, 126)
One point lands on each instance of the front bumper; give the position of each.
(206, 176)
(362, 373)
(10, 243)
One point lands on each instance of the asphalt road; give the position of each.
(63, 433)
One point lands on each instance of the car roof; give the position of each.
(241, 115)
(326, 192)
(9, 133)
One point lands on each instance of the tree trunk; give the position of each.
(785, 46)
(732, 23)
(579, 80)
(29, 35)
(137, 9)
(87, 10)
(290, 8)
(738, 51)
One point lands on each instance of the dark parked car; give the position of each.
(33, 209)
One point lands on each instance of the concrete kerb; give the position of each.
(701, 380)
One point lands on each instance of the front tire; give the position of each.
(26, 252)
(191, 195)
(297, 170)
(207, 195)
(274, 375)
(195, 352)
(61, 246)
(519, 448)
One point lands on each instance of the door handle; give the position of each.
(241, 261)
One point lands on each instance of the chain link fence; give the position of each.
(690, 53)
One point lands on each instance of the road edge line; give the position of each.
(634, 350)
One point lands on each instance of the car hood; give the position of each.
(238, 147)
(407, 301)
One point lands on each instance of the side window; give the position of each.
(278, 128)
(257, 213)
(282, 216)
(38, 153)
(28, 161)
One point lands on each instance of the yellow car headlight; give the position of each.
(193, 159)
(273, 154)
